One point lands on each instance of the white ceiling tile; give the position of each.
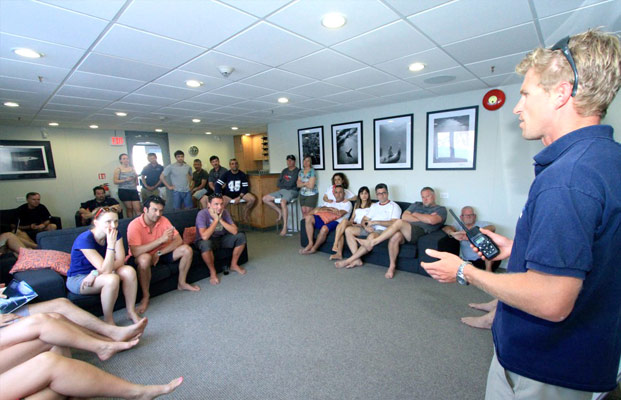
(78, 101)
(409, 7)
(475, 17)
(86, 79)
(254, 105)
(81, 108)
(119, 67)
(459, 73)
(317, 89)
(242, 91)
(323, 64)
(273, 98)
(459, 87)
(208, 64)
(501, 65)
(147, 100)
(42, 21)
(348, 97)
(177, 112)
(191, 105)
(205, 23)
(386, 43)
(607, 15)
(25, 99)
(546, 8)
(145, 47)
(90, 93)
(409, 96)
(434, 60)
(304, 18)
(494, 45)
(30, 71)
(136, 108)
(54, 55)
(502, 80)
(179, 77)
(315, 103)
(389, 88)
(97, 8)
(217, 99)
(376, 101)
(277, 80)
(258, 8)
(352, 80)
(170, 92)
(26, 85)
(230, 110)
(276, 45)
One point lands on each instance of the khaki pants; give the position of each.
(144, 193)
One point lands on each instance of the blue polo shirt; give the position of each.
(570, 226)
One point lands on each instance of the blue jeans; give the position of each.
(182, 199)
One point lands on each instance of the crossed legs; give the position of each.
(357, 251)
(281, 210)
(339, 239)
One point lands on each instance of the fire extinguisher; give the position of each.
(107, 189)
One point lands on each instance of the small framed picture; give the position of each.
(347, 146)
(26, 159)
(392, 140)
(452, 138)
(310, 143)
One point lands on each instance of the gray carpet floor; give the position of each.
(295, 327)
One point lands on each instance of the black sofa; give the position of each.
(50, 285)
(410, 255)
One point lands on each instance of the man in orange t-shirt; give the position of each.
(152, 238)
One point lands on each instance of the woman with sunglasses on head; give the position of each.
(98, 265)
(126, 177)
(361, 208)
(338, 178)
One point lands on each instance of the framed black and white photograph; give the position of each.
(24, 159)
(452, 138)
(393, 142)
(347, 146)
(310, 143)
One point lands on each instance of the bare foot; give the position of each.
(283, 232)
(366, 243)
(335, 249)
(142, 306)
(489, 306)
(304, 250)
(124, 333)
(341, 264)
(336, 256)
(188, 287)
(482, 322)
(108, 349)
(153, 391)
(355, 263)
(390, 274)
(134, 316)
(214, 280)
(240, 270)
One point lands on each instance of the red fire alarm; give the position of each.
(101, 176)
(117, 141)
(494, 99)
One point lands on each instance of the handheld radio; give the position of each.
(478, 239)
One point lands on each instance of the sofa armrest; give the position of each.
(437, 240)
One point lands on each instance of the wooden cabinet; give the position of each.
(251, 151)
(261, 215)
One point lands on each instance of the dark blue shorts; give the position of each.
(319, 223)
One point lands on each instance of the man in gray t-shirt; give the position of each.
(418, 220)
(287, 183)
(177, 177)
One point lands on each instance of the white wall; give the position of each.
(80, 155)
(497, 188)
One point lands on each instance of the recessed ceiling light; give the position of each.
(93, 126)
(159, 130)
(247, 134)
(207, 133)
(28, 53)
(53, 124)
(11, 104)
(417, 66)
(283, 100)
(234, 128)
(196, 120)
(193, 83)
(333, 20)
(121, 114)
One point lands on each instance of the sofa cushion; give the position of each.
(47, 283)
(30, 259)
(189, 235)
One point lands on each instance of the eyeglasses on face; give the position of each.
(563, 46)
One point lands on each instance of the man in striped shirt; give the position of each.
(234, 186)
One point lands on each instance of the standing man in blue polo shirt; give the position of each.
(557, 331)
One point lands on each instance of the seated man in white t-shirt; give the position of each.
(381, 215)
(325, 218)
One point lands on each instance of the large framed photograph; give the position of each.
(452, 138)
(310, 143)
(25, 159)
(393, 142)
(347, 146)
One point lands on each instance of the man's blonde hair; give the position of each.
(598, 60)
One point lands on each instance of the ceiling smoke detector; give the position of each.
(225, 70)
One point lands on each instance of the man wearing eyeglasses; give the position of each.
(381, 215)
(557, 331)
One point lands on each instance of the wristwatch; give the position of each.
(159, 253)
(461, 278)
(95, 273)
